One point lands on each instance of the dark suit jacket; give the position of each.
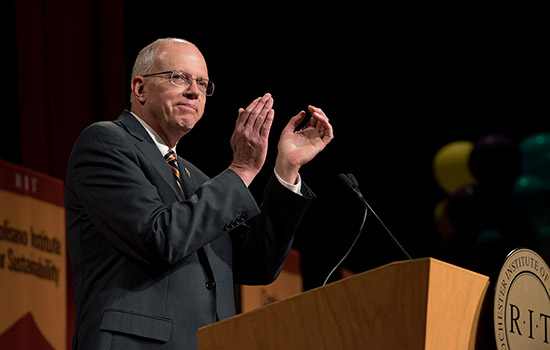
(150, 266)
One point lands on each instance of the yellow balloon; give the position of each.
(451, 168)
(443, 224)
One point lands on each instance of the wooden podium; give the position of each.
(415, 304)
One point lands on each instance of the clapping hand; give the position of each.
(297, 148)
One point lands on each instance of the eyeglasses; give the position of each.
(181, 78)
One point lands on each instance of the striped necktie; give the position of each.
(173, 163)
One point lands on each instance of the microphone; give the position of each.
(355, 188)
(349, 182)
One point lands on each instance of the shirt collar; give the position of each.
(161, 145)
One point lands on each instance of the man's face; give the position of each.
(175, 109)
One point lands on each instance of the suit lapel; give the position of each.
(148, 147)
(189, 185)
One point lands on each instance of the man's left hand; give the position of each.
(297, 148)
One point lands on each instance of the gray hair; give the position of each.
(146, 57)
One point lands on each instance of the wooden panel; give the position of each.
(455, 295)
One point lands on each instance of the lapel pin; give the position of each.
(187, 172)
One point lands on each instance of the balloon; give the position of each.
(532, 199)
(488, 237)
(476, 207)
(450, 166)
(443, 224)
(495, 160)
(464, 209)
(535, 151)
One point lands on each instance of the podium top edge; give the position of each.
(428, 261)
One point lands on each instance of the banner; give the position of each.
(33, 290)
(288, 284)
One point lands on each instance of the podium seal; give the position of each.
(521, 311)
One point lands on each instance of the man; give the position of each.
(155, 255)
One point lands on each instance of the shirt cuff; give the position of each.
(296, 188)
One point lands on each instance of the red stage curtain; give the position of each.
(71, 68)
(71, 72)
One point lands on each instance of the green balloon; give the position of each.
(488, 236)
(535, 151)
(532, 199)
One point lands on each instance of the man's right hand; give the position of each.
(250, 138)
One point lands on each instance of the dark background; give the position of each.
(397, 82)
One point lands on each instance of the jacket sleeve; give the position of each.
(260, 251)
